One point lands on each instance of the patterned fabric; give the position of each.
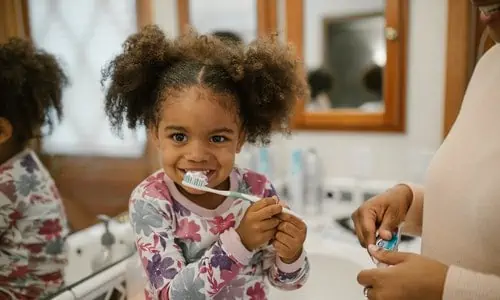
(33, 228)
(189, 252)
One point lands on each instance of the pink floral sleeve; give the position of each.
(33, 230)
(6, 210)
(164, 259)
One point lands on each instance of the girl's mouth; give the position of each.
(208, 172)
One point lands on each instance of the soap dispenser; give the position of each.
(105, 256)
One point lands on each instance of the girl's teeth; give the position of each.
(201, 171)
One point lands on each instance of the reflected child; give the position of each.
(33, 223)
(321, 83)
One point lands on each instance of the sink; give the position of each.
(84, 245)
(334, 268)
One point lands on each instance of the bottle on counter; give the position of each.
(313, 171)
(296, 181)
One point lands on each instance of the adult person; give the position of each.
(456, 211)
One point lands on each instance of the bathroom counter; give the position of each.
(336, 258)
(84, 246)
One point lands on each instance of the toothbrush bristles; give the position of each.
(192, 179)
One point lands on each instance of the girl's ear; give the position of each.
(241, 141)
(6, 130)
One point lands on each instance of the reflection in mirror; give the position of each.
(97, 249)
(95, 170)
(355, 55)
(347, 71)
(225, 18)
(33, 223)
(55, 180)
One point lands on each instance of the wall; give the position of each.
(241, 17)
(390, 153)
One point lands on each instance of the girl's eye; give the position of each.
(179, 137)
(218, 139)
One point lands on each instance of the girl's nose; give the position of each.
(197, 152)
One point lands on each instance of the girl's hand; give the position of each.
(258, 226)
(289, 238)
(409, 277)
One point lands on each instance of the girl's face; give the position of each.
(197, 132)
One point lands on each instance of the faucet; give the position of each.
(105, 256)
(107, 239)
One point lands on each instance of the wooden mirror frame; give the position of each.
(393, 118)
(266, 16)
(464, 36)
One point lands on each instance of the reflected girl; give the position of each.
(320, 83)
(33, 224)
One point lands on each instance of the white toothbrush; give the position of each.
(198, 180)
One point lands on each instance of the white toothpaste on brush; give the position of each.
(199, 175)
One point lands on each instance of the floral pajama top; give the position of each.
(189, 252)
(33, 228)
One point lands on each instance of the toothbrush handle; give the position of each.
(251, 198)
(291, 212)
(255, 199)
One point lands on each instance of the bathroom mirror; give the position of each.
(355, 55)
(247, 19)
(94, 171)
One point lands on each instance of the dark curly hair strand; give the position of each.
(31, 86)
(264, 78)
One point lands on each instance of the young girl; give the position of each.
(33, 224)
(203, 98)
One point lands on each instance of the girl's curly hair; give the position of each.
(31, 85)
(264, 77)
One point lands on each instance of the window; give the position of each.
(85, 35)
